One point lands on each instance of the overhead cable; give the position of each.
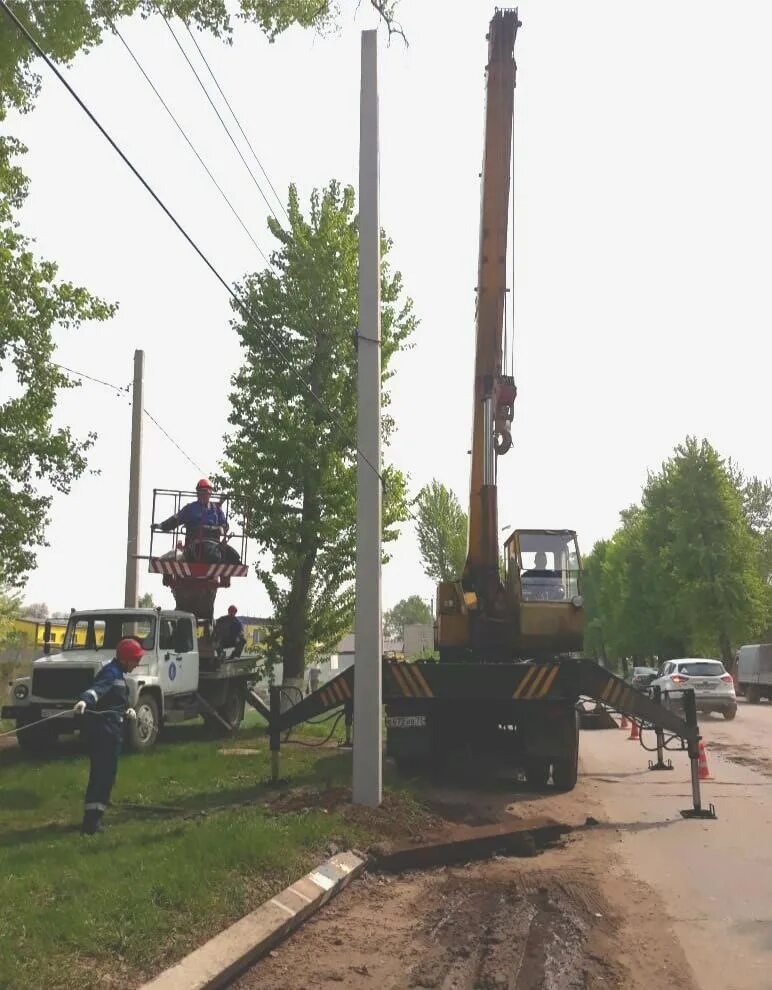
(233, 114)
(190, 143)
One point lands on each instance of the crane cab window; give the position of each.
(548, 564)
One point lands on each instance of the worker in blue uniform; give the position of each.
(205, 528)
(103, 708)
(229, 634)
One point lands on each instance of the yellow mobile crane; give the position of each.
(537, 612)
(510, 678)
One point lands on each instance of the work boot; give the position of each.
(92, 823)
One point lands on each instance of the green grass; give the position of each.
(193, 844)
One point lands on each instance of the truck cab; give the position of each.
(167, 686)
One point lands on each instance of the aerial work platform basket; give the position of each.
(195, 561)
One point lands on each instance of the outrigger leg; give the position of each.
(660, 764)
(697, 811)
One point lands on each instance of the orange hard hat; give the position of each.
(129, 651)
(204, 483)
(232, 610)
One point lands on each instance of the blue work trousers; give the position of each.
(104, 747)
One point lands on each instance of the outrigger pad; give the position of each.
(709, 812)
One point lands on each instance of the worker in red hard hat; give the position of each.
(228, 633)
(103, 708)
(205, 528)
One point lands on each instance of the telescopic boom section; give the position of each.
(494, 393)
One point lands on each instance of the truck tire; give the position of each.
(565, 770)
(142, 734)
(753, 694)
(39, 741)
(729, 713)
(537, 773)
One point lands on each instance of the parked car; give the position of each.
(641, 677)
(713, 687)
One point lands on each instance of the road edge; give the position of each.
(215, 963)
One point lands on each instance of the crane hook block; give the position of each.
(504, 404)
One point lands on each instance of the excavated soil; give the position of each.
(567, 920)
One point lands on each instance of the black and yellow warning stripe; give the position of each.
(410, 681)
(617, 694)
(537, 682)
(336, 692)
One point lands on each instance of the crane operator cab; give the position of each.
(543, 583)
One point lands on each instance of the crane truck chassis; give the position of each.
(436, 711)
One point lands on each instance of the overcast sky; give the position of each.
(643, 245)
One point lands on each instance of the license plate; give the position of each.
(706, 686)
(48, 712)
(406, 722)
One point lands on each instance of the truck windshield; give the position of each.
(549, 566)
(103, 632)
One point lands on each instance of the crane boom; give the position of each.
(494, 393)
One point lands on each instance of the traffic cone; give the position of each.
(624, 724)
(702, 764)
(634, 731)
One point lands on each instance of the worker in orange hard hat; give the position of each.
(228, 633)
(206, 528)
(103, 708)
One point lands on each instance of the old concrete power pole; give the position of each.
(131, 595)
(367, 782)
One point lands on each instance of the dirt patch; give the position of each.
(564, 921)
(398, 817)
(743, 755)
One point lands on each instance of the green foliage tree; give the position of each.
(36, 458)
(10, 609)
(441, 528)
(410, 611)
(683, 574)
(291, 460)
(146, 601)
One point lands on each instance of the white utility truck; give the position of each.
(175, 681)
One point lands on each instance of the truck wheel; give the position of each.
(565, 770)
(143, 732)
(537, 773)
(753, 694)
(39, 741)
(729, 713)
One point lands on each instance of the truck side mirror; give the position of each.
(47, 638)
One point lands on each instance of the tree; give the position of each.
(291, 458)
(682, 574)
(146, 601)
(10, 608)
(36, 610)
(410, 611)
(442, 529)
(35, 457)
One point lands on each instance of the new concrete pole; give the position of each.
(135, 483)
(367, 681)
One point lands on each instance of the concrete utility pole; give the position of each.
(367, 781)
(135, 482)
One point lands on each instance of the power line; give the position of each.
(81, 374)
(239, 302)
(233, 114)
(219, 115)
(189, 143)
(173, 441)
(124, 391)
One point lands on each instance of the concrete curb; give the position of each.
(219, 960)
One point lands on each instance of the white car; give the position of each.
(713, 687)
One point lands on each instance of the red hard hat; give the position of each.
(128, 650)
(204, 483)
(232, 610)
